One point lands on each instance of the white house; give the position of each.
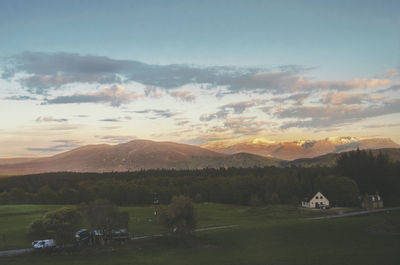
(317, 201)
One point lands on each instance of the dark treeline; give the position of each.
(371, 173)
(357, 172)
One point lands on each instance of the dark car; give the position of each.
(82, 237)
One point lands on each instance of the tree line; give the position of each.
(356, 173)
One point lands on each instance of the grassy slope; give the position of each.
(266, 235)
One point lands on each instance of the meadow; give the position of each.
(264, 235)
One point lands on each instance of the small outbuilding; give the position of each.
(317, 201)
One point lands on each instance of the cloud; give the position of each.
(117, 138)
(49, 119)
(20, 98)
(389, 73)
(44, 149)
(393, 88)
(240, 107)
(339, 98)
(297, 98)
(245, 125)
(182, 123)
(236, 107)
(44, 71)
(63, 145)
(183, 95)
(382, 125)
(40, 84)
(115, 95)
(334, 115)
(152, 91)
(157, 114)
(111, 120)
(217, 115)
(65, 127)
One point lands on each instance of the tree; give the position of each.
(105, 216)
(60, 224)
(179, 216)
(340, 191)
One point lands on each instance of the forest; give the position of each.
(356, 173)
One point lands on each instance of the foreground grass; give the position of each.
(266, 235)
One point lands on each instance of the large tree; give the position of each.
(179, 216)
(105, 216)
(60, 225)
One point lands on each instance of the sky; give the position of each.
(74, 73)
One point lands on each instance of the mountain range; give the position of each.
(131, 156)
(301, 148)
(145, 154)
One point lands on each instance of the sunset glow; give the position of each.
(201, 74)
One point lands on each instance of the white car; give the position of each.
(42, 244)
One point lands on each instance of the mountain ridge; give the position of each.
(132, 156)
(145, 154)
(291, 150)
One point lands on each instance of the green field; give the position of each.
(265, 235)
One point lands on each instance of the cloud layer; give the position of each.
(44, 71)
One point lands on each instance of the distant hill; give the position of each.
(302, 148)
(131, 156)
(330, 159)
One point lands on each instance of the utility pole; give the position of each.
(155, 202)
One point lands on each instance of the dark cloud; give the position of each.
(333, 115)
(63, 145)
(393, 88)
(297, 98)
(53, 70)
(114, 95)
(111, 120)
(44, 149)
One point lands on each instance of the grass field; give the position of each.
(265, 235)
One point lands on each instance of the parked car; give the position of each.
(42, 244)
(82, 237)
